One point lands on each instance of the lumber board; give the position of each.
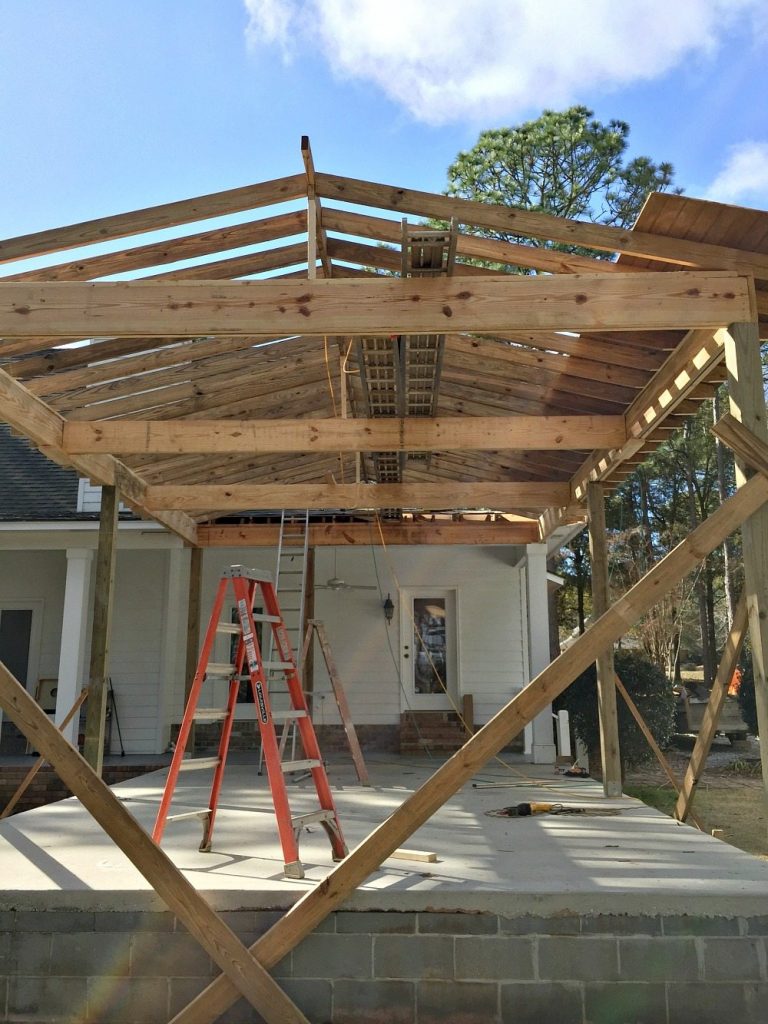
(728, 662)
(498, 496)
(315, 906)
(536, 433)
(246, 975)
(365, 534)
(381, 306)
(526, 223)
(153, 218)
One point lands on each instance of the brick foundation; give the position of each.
(402, 967)
(47, 787)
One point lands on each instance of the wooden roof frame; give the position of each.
(208, 388)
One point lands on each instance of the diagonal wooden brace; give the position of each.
(313, 908)
(244, 973)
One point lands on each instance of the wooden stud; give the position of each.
(708, 727)
(103, 600)
(245, 974)
(315, 906)
(363, 534)
(606, 690)
(707, 299)
(459, 433)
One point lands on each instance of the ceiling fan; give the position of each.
(336, 583)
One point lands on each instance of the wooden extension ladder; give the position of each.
(249, 664)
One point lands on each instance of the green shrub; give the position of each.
(648, 687)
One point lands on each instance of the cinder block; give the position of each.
(741, 959)
(682, 924)
(247, 924)
(128, 1000)
(240, 1012)
(531, 924)
(757, 999)
(376, 922)
(156, 955)
(91, 953)
(413, 956)
(498, 958)
(534, 1003)
(755, 925)
(30, 954)
(578, 958)
(333, 956)
(182, 991)
(133, 921)
(465, 1001)
(658, 959)
(620, 924)
(311, 995)
(7, 921)
(68, 921)
(458, 924)
(693, 1004)
(46, 999)
(629, 1003)
(391, 1002)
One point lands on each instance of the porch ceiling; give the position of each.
(569, 364)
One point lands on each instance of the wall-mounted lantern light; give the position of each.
(389, 609)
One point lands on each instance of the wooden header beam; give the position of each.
(383, 306)
(450, 433)
(453, 495)
(365, 534)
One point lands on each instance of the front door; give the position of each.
(430, 667)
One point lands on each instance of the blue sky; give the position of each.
(111, 106)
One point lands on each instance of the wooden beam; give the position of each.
(45, 428)
(365, 534)
(154, 218)
(382, 306)
(498, 496)
(246, 975)
(103, 602)
(711, 716)
(606, 688)
(686, 367)
(514, 221)
(458, 433)
(315, 906)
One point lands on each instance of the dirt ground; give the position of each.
(730, 795)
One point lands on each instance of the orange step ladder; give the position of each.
(249, 585)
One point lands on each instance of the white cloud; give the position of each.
(447, 60)
(744, 178)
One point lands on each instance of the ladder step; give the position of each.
(210, 714)
(288, 716)
(277, 666)
(223, 668)
(259, 617)
(300, 766)
(191, 764)
(228, 627)
(302, 820)
(188, 815)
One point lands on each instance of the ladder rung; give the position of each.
(222, 668)
(191, 764)
(301, 820)
(288, 716)
(187, 815)
(228, 627)
(210, 714)
(239, 572)
(300, 766)
(259, 617)
(277, 666)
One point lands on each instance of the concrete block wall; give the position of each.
(123, 967)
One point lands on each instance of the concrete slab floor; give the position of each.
(58, 856)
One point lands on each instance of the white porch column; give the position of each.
(72, 662)
(174, 632)
(539, 737)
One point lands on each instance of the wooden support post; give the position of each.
(315, 906)
(93, 748)
(747, 405)
(712, 711)
(606, 689)
(468, 713)
(307, 663)
(244, 973)
(27, 780)
(193, 628)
